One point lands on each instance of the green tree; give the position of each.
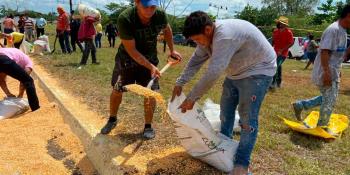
(116, 10)
(292, 7)
(329, 12)
(249, 13)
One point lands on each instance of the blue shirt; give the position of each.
(41, 23)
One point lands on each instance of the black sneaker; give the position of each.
(149, 133)
(297, 111)
(111, 124)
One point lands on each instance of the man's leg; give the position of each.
(100, 40)
(12, 69)
(93, 52)
(38, 33)
(80, 46)
(301, 105)
(73, 40)
(66, 41)
(113, 38)
(252, 91)
(228, 105)
(330, 95)
(96, 40)
(86, 53)
(110, 41)
(114, 103)
(118, 81)
(280, 61)
(61, 41)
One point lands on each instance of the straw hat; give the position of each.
(282, 19)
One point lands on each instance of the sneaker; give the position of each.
(149, 133)
(297, 111)
(111, 124)
(96, 63)
(329, 131)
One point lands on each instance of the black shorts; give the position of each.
(138, 74)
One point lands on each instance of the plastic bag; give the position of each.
(199, 138)
(10, 107)
(26, 47)
(212, 112)
(85, 10)
(338, 124)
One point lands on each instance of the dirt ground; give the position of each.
(40, 143)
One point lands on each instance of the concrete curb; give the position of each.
(99, 148)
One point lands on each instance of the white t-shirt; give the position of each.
(333, 39)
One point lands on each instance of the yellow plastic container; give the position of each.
(338, 123)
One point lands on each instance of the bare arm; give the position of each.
(168, 36)
(4, 85)
(325, 56)
(139, 58)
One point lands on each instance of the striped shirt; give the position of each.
(28, 24)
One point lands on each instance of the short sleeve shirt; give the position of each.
(281, 39)
(333, 39)
(17, 56)
(145, 36)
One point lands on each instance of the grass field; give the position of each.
(278, 150)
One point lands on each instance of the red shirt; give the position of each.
(282, 39)
(87, 29)
(63, 22)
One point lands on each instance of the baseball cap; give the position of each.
(148, 3)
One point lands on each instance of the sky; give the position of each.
(177, 7)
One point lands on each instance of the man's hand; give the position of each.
(176, 56)
(186, 105)
(327, 79)
(176, 92)
(155, 71)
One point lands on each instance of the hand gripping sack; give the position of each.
(10, 107)
(199, 138)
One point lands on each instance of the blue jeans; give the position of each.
(63, 38)
(247, 94)
(277, 79)
(98, 38)
(326, 101)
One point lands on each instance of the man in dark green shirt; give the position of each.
(136, 60)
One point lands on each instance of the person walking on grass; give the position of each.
(29, 29)
(86, 34)
(40, 25)
(20, 25)
(239, 50)
(98, 38)
(18, 65)
(63, 29)
(136, 60)
(9, 26)
(282, 40)
(111, 32)
(326, 71)
(74, 26)
(311, 51)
